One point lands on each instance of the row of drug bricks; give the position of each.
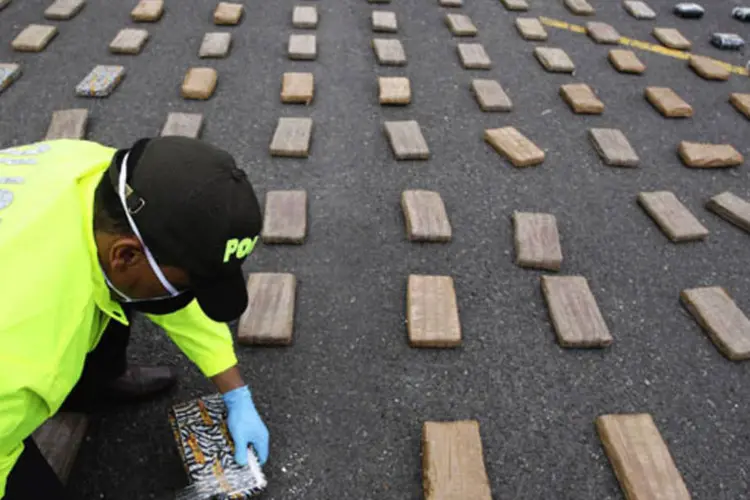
(292, 136)
(452, 452)
(453, 464)
(638, 9)
(408, 142)
(199, 82)
(432, 310)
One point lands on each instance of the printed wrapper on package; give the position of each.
(207, 452)
(9, 72)
(101, 81)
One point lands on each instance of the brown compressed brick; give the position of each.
(62, 10)
(302, 47)
(228, 13)
(731, 208)
(305, 16)
(389, 52)
(579, 7)
(581, 99)
(394, 90)
(453, 463)
(297, 88)
(292, 137)
(406, 140)
(719, 316)
(215, 45)
(704, 155)
(129, 41)
(516, 5)
(148, 11)
(460, 25)
(183, 124)
(490, 95)
(34, 38)
(625, 61)
(639, 9)
(199, 83)
(473, 56)
(68, 124)
(574, 312)
(285, 217)
(425, 216)
(602, 32)
(59, 439)
(269, 317)
(670, 37)
(537, 241)
(554, 60)
(709, 68)
(432, 312)
(531, 28)
(640, 457)
(668, 103)
(672, 217)
(384, 21)
(613, 147)
(519, 150)
(741, 102)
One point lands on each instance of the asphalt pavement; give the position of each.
(345, 403)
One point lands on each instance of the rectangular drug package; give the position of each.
(741, 13)
(689, 10)
(207, 452)
(727, 41)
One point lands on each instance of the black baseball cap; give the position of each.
(196, 210)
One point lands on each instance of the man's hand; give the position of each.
(245, 425)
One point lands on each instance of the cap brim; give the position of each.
(224, 300)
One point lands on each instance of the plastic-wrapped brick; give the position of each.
(689, 10)
(207, 451)
(741, 13)
(727, 41)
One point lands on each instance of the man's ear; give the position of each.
(125, 253)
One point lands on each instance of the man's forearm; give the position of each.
(228, 379)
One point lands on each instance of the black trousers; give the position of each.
(32, 478)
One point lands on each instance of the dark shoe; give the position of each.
(139, 382)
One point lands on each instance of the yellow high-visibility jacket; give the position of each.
(54, 301)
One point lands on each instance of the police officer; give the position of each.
(90, 235)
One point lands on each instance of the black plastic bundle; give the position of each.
(741, 13)
(727, 41)
(689, 10)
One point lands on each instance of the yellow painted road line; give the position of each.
(651, 47)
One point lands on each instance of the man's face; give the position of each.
(128, 269)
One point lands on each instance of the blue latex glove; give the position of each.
(245, 425)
